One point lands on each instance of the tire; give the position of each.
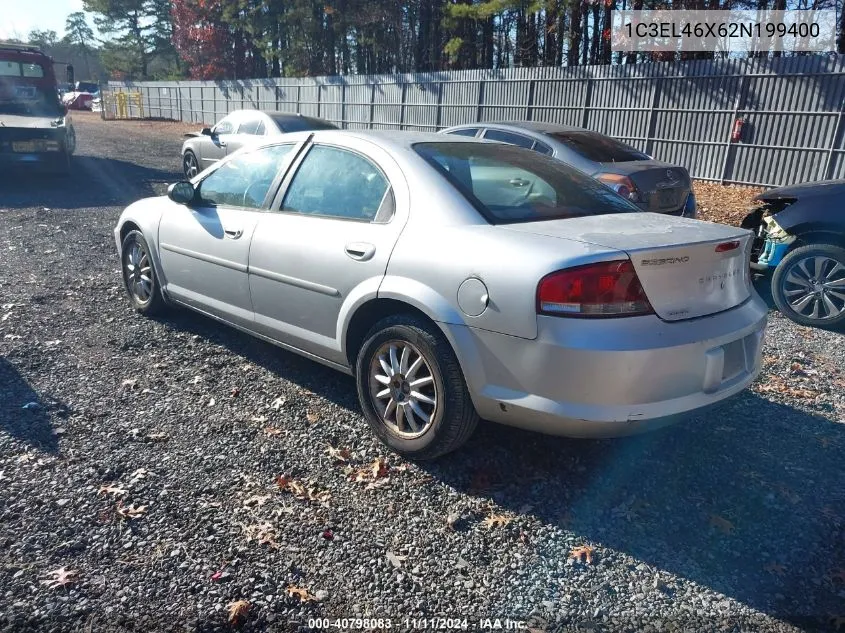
(823, 308)
(451, 419)
(189, 162)
(136, 267)
(70, 143)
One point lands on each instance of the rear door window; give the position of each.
(509, 137)
(599, 148)
(470, 131)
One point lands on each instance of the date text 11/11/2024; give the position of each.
(419, 624)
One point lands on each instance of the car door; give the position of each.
(205, 245)
(325, 242)
(214, 149)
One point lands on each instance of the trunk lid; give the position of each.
(683, 273)
(662, 187)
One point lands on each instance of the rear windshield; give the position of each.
(17, 69)
(29, 101)
(301, 124)
(509, 184)
(598, 148)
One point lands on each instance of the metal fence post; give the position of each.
(529, 109)
(585, 107)
(402, 87)
(739, 101)
(438, 110)
(343, 105)
(652, 113)
(480, 100)
(837, 131)
(372, 104)
(319, 97)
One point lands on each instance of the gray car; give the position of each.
(238, 129)
(412, 262)
(650, 184)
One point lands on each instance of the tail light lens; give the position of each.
(621, 185)
(606, 289)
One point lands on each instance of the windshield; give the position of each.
(301, 123)
(598, 148)
(509, 184)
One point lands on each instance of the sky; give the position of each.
(19, 17)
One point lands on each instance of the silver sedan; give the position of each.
(456, 280)
(238, 129)
(650, 184)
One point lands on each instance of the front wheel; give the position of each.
(809, 285)
(412, 390)
(139, 275)
(190, 165)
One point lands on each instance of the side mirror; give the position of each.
(181, 192)
(206, 131)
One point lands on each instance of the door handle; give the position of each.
(518, 182)
(360, 251)
(233, 233)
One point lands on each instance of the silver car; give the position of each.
(238, 129)
(456, 280)
(650, 184)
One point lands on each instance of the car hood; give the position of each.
(16, 120)
(804, 190)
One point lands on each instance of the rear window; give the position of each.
(508, 184)
(302, 124)
(16, 69)
(598, 148)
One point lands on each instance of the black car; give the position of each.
(801, 240)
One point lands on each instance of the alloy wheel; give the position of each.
(403, 390)
(815, 287)
(190, 165)
(139, 277)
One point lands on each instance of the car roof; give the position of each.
(273, 113)
(530, 126)
(395, 139)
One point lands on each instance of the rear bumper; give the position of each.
(611, 377)
(50, 159)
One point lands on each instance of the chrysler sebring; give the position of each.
(456, 280)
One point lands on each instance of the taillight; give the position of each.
(606, 289)
(620, 184)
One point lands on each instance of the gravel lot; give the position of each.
(147, 457)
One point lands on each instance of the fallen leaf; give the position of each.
(582, 553)
(237, 610)
(157, 437)
(497, 520)
(378, 469)
(300, 593)
(311, 417)
(775, 568)
(452, 521)
(235, 392)
(395, 560)
(60, 577)
(129, 383)
(138, 475)
(130, 511)
(113, 490)
(338, 454)
(278, 403)
(259, 418)
(264, 533)
(301, 491)
(327, 534)
(216, 576)
(721, 524)
(272, 431)
(211, 402)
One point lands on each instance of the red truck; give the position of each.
(35, 128)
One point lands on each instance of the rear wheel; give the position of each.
(809, 285)
(412, 390)
(139, 275)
